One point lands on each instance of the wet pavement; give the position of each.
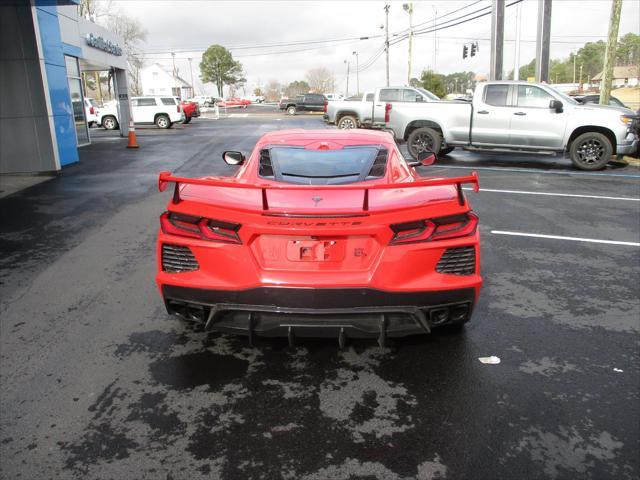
(97, 381)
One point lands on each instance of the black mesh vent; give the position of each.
(266, 169)
(176, 258)
(458, 261)
(379, 165)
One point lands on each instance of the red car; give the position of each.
(320, 233)
(234, 102)
(190, 109)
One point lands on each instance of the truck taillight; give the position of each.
(178, 106)
(440, 228)
(201, 228)
(387, 109)
(92, 111)
(325, 106)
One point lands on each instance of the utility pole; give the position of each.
(357, 73)
(193, 88)
(580, 81)
(386, 37)
(610, 52)
(347, 62)
(435, 41)
(408, 7)
(516, 67)
(497, 39)
(543, 41)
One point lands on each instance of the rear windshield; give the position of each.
(323, 167)
(93, 102)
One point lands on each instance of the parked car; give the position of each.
(334, 96)
(233, 102)
(190, 109)
(203, 100)
(322, 238)
(517, 116)
(369, 113)
(161, 111)
(309, 102)
(91, 111)
(255, 98)
(613, 101)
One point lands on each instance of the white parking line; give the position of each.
(531, 170)
(558, 237)
(524, 192)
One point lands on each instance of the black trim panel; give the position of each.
(318, 298)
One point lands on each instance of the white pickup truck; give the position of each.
(367, 110)
(517, 116)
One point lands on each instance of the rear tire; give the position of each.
(422, 139)
(291, 110)
(162, 121)
(590, 151)
(109, 122)
(187, 120)
(348, 122)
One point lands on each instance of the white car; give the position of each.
(161, 111)
(203, 100)
(91, 111)
(332, 97)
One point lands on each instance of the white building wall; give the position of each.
(155, 81)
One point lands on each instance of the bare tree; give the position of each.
(133, 34)
(94, 9)
(320, 80)
(272, 91)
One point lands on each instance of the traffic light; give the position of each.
(465, 51)
(474, 48)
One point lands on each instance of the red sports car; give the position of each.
(320, 233)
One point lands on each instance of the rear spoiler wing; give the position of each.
(165, 178)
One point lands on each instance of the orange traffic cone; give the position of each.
(132, 136)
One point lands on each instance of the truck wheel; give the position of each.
(590, 151)
(424, 138)
(162, 121)
(109, 122)
(446, 151)
(291, 110)
(187, 119)
(348, 122)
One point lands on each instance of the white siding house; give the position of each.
(158, 80)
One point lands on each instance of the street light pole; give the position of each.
(386, 37)
(347, 62)
(408, 7)
(357, 74)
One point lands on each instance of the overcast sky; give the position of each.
(194, 25)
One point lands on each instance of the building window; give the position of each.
(152, 91)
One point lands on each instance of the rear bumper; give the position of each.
(320, 312)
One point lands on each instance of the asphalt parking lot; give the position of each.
(99, 382)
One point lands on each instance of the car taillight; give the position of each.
(325, 106)
(387, 109)
(197, 227)
(92, 111)
(439, 228)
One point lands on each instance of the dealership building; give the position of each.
(44, 47)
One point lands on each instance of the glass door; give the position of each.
(77, 100)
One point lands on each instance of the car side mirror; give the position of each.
(233, 158)
(425, 158)
(556, 105)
